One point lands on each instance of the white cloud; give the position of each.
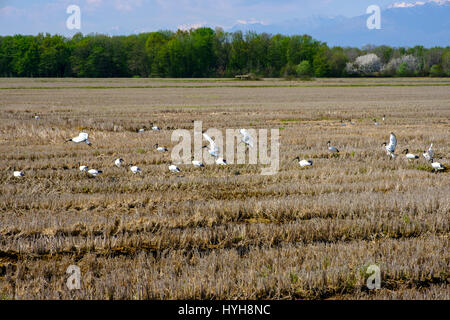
(127, 5)
(251, 21)
(417, 3)
(8, 11)
(94, 2)
(187, 27)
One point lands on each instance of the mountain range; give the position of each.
(424, 23)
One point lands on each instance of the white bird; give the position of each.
(351, 122)
(246, 137)
(343, 124)
(429, 154)
(213, 149)
(437, 166)
(82, 137)
(155, 128)
(174, 168)
(18, 173)
(94, 172)
(135, 169)
(141, 130)
(390, 148)
(410, 155)
(375, 122)
(303, 163)
(161, 149)
(82, 168)
(331, 148)
(118, 162)
(37, 117)
(197, 163)
(221, 161)
(384, 117)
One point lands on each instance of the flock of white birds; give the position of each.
(247, 139)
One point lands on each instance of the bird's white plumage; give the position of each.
(390, 148)
(18, 174)
(246, 137)
(429, 154)
(411, 156)
(221, 161)
(331, 148)
(161, 149)
(213, 149)
(305, 163)
(174, 168)
(437, 166)
(118, 162)
(82, 137)
(84, 168)
(197, 163)
(94, 172)
(135, 169)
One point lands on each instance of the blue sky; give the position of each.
(134, 16)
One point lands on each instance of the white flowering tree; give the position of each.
(409, 64)
(365, 65)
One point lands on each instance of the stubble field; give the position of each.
(223, 232)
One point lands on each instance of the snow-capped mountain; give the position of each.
(424, 23)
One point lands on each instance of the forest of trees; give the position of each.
(205, 52)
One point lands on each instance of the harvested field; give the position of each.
(224, 232)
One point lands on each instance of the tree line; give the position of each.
(205, 52)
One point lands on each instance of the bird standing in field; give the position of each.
(174, 168)
(83, 168)
(18, 174)
(375, 122)
(303, 163)
(390, 148)
(118, 162)
(154, 128)
(213, 149)
(410, 155)
(82, 137)
(384, 117)
(343, 124)
(221, 161)
(94, 172)
(428, 155)
(246, 138)
(197, 163)
(437, 166)
(331, 148)
(135, 169)
(351, 122)
(161, 149)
